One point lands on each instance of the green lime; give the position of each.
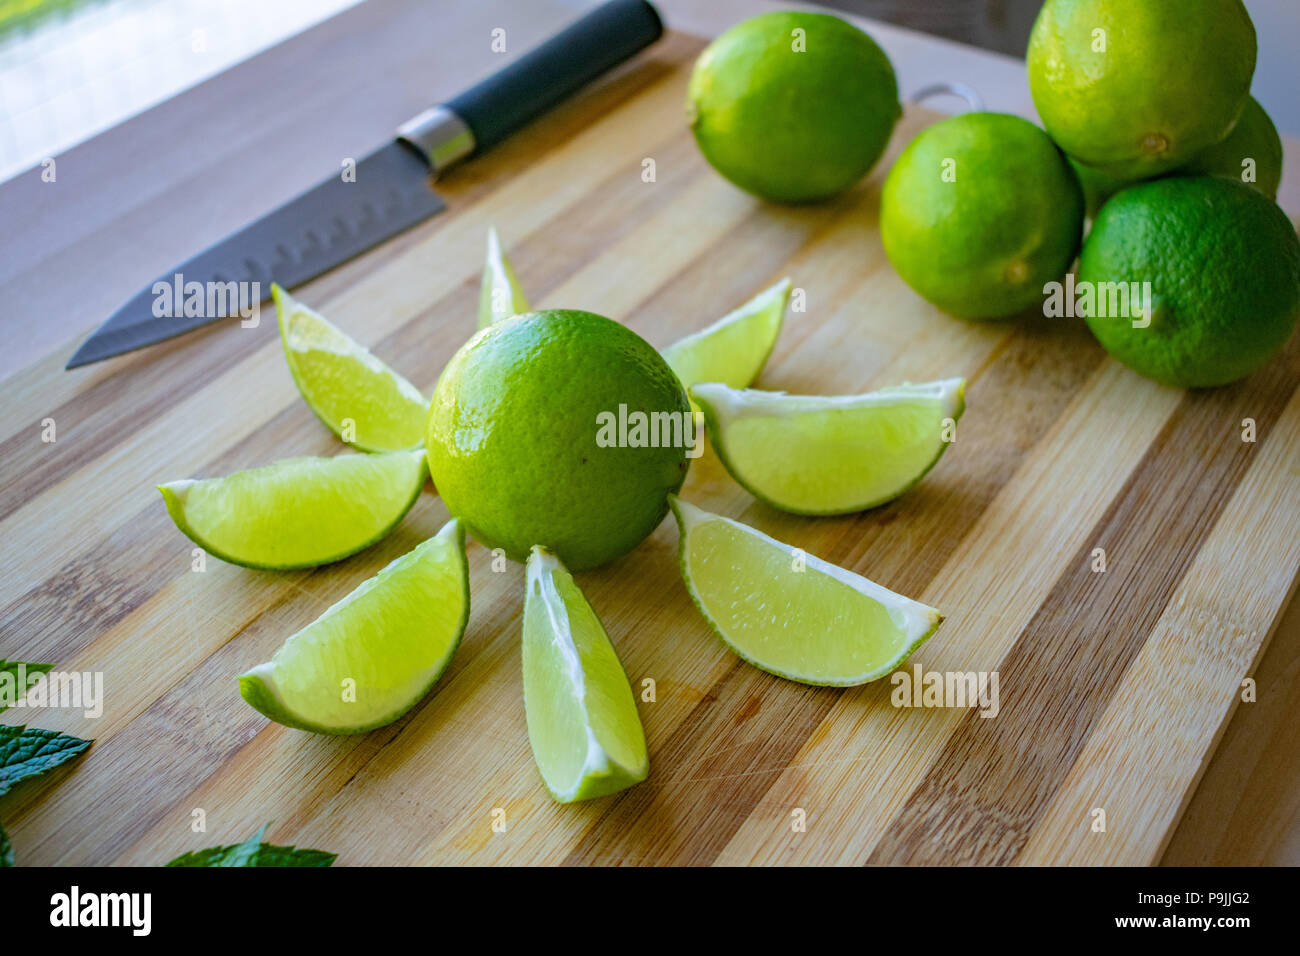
(299, 512)
(1097, 186)
(582, 721)
(792, 614)
(793, 107)
(559, 428)
(499, 295)
(358, 397)
(819, 456)
(372, 656)
(734, 349)
(1252, 154)
(1223, 263)
(1139, 87)
(979, 212)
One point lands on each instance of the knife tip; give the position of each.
(83, 356)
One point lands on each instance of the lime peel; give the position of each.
(821, 455)
(793, 106)
(523, 437)
(583, 724)
(299, 512)
(792, 614)
(500, 295)
(1137, 89)
(343, 382)
(392, 637)
(734, 349)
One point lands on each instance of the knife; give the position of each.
(390, 190)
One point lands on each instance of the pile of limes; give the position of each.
(1151, 101)
(1190, 274)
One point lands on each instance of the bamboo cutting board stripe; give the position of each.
(979, 795)
(1061, 451)
(1212, 621)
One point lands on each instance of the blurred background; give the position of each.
(72, 68)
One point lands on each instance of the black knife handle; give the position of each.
(542, 77)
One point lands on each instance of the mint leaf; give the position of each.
(244, 854)
(6, 849)
(291, 856)
(26, 752)
(253, 852)
(9, 689)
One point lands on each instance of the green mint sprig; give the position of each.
(253, 852)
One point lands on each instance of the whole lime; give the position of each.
(793, 107)
(1139, 87)
(562, 429)
(1252, 153)
(1223, 263)
(980, 212)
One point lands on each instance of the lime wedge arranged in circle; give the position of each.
(792, 614)
(582, 718)
(372, 656)
(499, 294)
(734, 349)
(831, 455)
(299, 512)
(357, 396)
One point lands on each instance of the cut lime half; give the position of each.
(499, 295)
(299, 512)
(734, 349)
(831, 455)
(357, 396)
(582, 719)
(792, 614)
(372, 656)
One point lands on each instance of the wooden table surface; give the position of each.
(130, 203)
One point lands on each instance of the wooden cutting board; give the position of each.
(1114, 685)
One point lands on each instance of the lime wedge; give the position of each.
(299, 512)
(358, 397)
(582, 720)
(369, 658)
(821, 456)
(792, 614)
(499, 295)
(734, 349)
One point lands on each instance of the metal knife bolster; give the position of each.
(439, 135)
